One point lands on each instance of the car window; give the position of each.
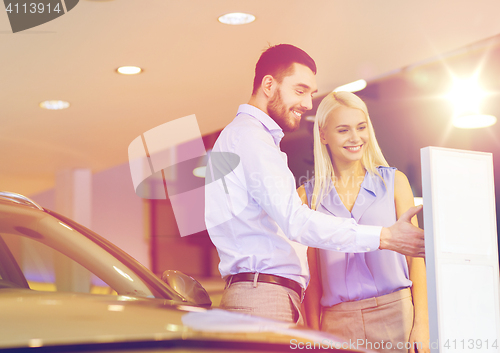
(39, 238)
(46, 269)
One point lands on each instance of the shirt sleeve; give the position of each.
(271, 184)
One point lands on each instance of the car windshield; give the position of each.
(159, 288)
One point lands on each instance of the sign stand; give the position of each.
(461, 250)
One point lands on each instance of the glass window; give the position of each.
(46, 269)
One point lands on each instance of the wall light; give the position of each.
(236, 18)
(129, 70)
(200, 172)
(352, 87)
(466, 96)
(474, 121)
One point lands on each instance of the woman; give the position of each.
(378, 298)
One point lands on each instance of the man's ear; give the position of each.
(268, 84)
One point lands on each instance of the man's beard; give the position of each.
(280, 113)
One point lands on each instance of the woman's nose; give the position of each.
(354, 136)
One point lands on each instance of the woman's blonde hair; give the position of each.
(323, 168)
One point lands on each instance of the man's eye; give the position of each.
(299, 92)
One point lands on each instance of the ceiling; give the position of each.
(195, 65)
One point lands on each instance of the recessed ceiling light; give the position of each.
(129, 70)
(236, 18)
(54, 105)
(352, 87)
(474, 121)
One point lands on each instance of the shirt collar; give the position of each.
(366, 197)
(369, 183)
(268, 122)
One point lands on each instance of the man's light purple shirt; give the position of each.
(260, 224)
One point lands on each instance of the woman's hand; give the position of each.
(419, 338)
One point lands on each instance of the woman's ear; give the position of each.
(322, 136)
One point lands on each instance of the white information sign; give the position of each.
(461, 250)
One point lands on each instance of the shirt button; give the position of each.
(367, 249)
(338, 248)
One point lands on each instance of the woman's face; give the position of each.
(346, 134)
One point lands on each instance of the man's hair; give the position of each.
(278, 61)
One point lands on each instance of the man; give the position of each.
(253, 214)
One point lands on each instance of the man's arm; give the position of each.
(270, 182)
(264, 173)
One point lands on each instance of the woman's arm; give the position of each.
(403, 197)
(311, 303)
(314, 292)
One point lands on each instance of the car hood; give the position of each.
(41, 319)
(31, 318)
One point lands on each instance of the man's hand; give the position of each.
(403, 237)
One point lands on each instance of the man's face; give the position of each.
(292, 98)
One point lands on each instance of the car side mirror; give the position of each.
(187, 287)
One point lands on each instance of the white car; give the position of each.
(124, 307)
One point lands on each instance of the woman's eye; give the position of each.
(342, 131)
(362, 127)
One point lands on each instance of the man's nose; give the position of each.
(307, 102)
